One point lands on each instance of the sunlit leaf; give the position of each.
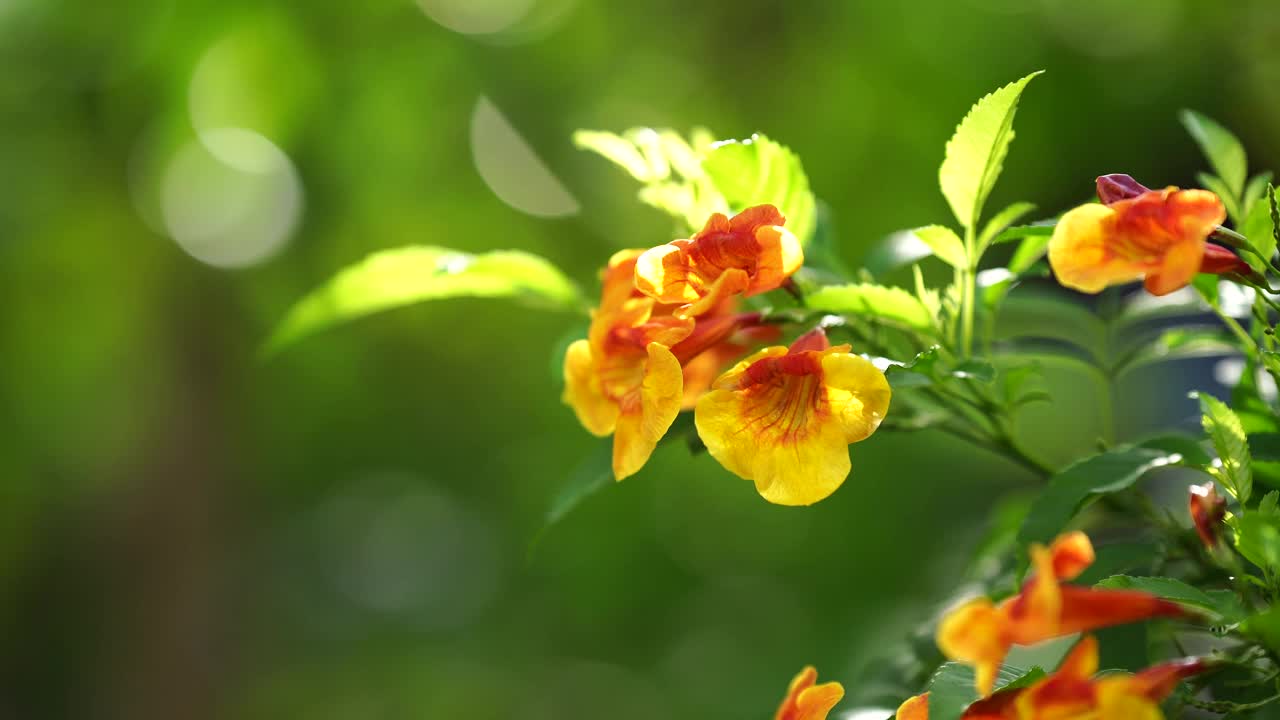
(945, 244)
(1255, 191)
(1229, 439)
(878, 301)
(1257, 226)
(1223, 151)
(1030, 250)
(1080, 483)
(619, 151)
(1001, 222)
(1226, 606)
(395, 278)
(975, 153)
(1257, 538)
(757, 171)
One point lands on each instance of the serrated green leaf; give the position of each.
(1258, 229)
(1228, 437)
(944, 243)
(403, 276)
(1269, 503)
(1001, 222)
(1227, 607)
(618, 150)
(975, 153)
(891, 304)
(1080, 483)
(951, 689)
(757, 171)
(1218, 186)
(1221, 148)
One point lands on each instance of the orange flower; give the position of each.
(784, 417)
(807, 701)
(1073, 692)
(1157, 235)
(980, 632)
(748, 254)
(1208, 509)
(628, 377)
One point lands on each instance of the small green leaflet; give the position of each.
(930, 367)
(951, 689)
(594, 473)
(1017, 232)
(1220, 147)
(395, 278)
(1257, 538)
(757, 171)
(975, 153)
(1001, 221)
(1224, 604)
(1228, 437)
(1082, 482)
(945, 244)
(891, 304)
(1257, 227)
(1255, 191)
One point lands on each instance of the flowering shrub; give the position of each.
(729, 327)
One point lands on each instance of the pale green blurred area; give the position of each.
(343, 532)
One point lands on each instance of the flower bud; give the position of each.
(1118, 186)
(1208, 509)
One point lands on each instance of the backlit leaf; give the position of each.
(1228, 437)
(878, 301)
(757, 171)
(945, 244)
(1223, 151)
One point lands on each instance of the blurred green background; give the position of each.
(343, 532)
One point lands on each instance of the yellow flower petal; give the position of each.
(977, 633)
(1080, 254)
(583, 391)
(646, 415)
(857, 392)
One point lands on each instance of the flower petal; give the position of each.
(1079, 251)
(646, 415)
(780, 257)
(805, 700)
(662, 273)
(583, 391)
(858, 394)
(976, 633)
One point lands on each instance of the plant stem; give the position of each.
(968, 279)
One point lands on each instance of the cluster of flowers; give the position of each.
(667, 325)
(980, 633)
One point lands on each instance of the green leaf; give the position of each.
(395, 278)
(934, 366)
(757, 171)
(1255, 191)
(945, 244)
(1030, 250)
(1265, 446)
(1190, 448)
(619, 151)
(1227, 607)
(1220, 147)
(1265, 627)
(951, 689)
(975, 153)
(1017, 232)
(594, 473)
(1218, 186)
(1228, 437)
(1258, 228)
(1001, 222)
(891, 304)
(1078, 484)
(1258, 538)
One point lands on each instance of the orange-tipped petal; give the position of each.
(663, 274)
(976, 633)
(1071, 553)
(1158, 681)
(1218, 260)
(584, 392)
(806, 700)
(914, 708)
(1085, 609)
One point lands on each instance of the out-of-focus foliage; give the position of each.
(344, 531)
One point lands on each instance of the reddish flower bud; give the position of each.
(1221, 261)
(1118, 186)
(1208, 509)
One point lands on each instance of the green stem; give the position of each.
(969, 279)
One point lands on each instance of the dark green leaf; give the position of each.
(1265, 446)
(395, 278)
(1265, 627)
(975, 153)
(951, 689)
(1258, 538)
(1227, 607)
(594, 473)
(1221, 148)
(1191, 449)
(1082, 482)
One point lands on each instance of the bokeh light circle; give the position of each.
(476, 17)
(511, 169)
(231, 198)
